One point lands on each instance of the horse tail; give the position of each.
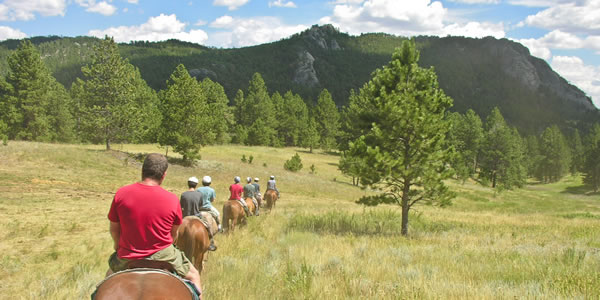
(226, 216)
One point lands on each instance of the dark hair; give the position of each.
(155, 165)
(205, 183)
(192, 184)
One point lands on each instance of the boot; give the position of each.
(257, 210)
(212, 246)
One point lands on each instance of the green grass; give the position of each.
(539, 242)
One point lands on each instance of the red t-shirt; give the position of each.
(236, 191)
(146, 215)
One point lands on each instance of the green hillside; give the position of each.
(477, 73)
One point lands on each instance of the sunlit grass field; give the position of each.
(540, 242)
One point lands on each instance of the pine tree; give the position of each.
(309, 138)
(220, 118)
(502, 154)
(591, 166)
(577, 152)
(36, 105)
(114, 103)
(328, 120)
(186, 122)
(293, 120)
(400, 117)
(555, 154)
(259, 111)
(239, 131)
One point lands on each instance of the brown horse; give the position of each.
(251, 206)
(193, 238)
(271, 198)
(233, 214)
(142, 284)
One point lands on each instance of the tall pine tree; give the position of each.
(328, 120)
(114, 102)
(400, 117)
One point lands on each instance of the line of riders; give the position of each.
(144, 223)
(196, 200)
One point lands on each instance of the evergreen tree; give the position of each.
(328, 120)
(186, 123)
(259, 111)
(220, 118)
(577, 152)
(114, 103)
(36, 106)
(534, 158)
(555, 154)
(239, 131)
(400, 117)
(502, 154)
(591, 166)
(309, 138)
(294, 119)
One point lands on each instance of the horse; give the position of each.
(233, 212)
(251, 206)
(143, 283)
(271, 198)
(193, 238)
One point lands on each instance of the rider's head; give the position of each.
(272, 177)
(155, 167)
(255, 179)
(236, 179)
(192, 182)
(248, 179)
(206, 180)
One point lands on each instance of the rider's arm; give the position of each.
(174, 232)
(115, 233)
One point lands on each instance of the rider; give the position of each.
(272, 186)
(192, 203)
(250, 192)
(144, 219)
(208, 197)
(257, 190)
(236, 191)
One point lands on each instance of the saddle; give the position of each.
(208, 221)
(243, 204)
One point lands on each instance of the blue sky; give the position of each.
(564, 33)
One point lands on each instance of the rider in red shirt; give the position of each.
(144, 219)
(236, 189)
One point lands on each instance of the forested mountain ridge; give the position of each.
(477, 73)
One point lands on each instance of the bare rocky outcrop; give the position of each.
(202, 73)
(320, 35)
(305, 73)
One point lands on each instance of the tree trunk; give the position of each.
(405, 209)
(494, 179)
(167, 152)
(107, 144)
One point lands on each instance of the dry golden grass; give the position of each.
(542, 241)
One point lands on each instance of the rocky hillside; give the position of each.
(478, 73)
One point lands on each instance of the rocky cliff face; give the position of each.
(305, 72)
(533, 72)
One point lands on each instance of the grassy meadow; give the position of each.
(542, 241)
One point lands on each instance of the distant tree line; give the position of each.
(111, 103)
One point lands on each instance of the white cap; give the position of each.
(272, 177)
(236, 179)
(255, 178)
(193, 179)
(248, 179)
(206, 179)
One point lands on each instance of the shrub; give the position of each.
(294, 164)
(244, 158)
(313, 170)
(250, 159)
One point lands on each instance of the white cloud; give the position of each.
(13, 10)
(539, 3)
(584, 76)
(200, 23)
(569, 17)
(133, 1)
(477, 1)
(102, 8)
(10, 33)
(417, 17)
(159, 28)
(280, 3)
(557, 39)
(231, 4)
(240, 32)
